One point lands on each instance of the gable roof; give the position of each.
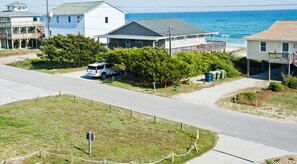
(16, 4)
(281, 30)
(78, 8)
(161, 26)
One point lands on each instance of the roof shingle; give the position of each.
(161, 26)
(282, 30)
(78, 8)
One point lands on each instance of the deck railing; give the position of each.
(280, 57)
(212, 46)
(22, 24)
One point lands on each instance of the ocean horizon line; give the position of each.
(223, 11)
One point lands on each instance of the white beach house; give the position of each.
(277, 45)
(20, 28)
(85, 18)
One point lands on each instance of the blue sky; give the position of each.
(167, 5)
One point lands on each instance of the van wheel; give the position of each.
(103, 76)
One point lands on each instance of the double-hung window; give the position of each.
(263, 46)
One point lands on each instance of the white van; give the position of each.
(101, 69)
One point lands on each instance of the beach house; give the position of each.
(20, 28)
(276, 45)
(85, 18)
(173, 35)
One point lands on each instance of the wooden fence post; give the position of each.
(131, 113)
(59, 93)
(91, 102)
(172, 157)
(181, 126)
(39, 154)
(37, 98)
(71, 158)
(74, 98)
(104, 161)
(197, 134)
(110, 107)
(155, 119)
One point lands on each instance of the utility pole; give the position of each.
(169, 31)
(48, 20)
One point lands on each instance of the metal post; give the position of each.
(248, 67)
(48, 19)
(90, 146)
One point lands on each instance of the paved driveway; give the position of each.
(209, 96)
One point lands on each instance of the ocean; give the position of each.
(231, 25)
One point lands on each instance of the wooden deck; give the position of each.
(280, 57)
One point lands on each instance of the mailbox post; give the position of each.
(90, 137)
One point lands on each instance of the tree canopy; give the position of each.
(76, 49)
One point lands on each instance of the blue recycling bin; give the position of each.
(208, 77)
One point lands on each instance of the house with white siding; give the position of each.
(85, 18)
(174, 35)
(20, 28)
(276, 45)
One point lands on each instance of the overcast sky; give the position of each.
(169, 5)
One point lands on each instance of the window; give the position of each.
(285, 47)
(263, 46)
(106, 19)
(78, 19)
(109, 65)
(57, 19)
(69, 18)
(138, 41)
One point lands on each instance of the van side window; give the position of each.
(109, 65)
(100, 67)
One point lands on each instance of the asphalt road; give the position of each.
(247, 127)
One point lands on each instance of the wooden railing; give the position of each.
(21, 24)
(213, 46)
(280, 57)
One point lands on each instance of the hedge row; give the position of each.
(150, 64)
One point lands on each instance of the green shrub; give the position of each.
(276, 87)
(250, 96)
(201, 62)
(292, 83)
(286, 79)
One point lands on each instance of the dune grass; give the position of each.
(46, 66)
(58, 124)
(4, 53)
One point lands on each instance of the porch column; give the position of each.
(248, 67)
(269, 71)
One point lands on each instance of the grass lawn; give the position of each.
(59, 125)
(278, 105)
(46, 67)
(161, 90)
(4, 53)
